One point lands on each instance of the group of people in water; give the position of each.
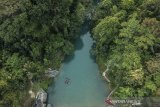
(67, 80)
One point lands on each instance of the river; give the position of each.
(79, 83)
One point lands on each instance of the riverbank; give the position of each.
(135, 64)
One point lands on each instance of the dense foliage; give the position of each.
(127, 35)
(36, 35)
(33, 40)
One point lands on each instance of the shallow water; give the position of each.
(85, 88)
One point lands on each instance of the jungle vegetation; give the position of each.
(127, 40)
(34, 35)
(37, 34)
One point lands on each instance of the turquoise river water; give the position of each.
(85, 86)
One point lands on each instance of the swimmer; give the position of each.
(67, 80)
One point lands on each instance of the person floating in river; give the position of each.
(67, 80)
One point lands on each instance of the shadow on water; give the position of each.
(69, 58)
(93, 57)
(85, 27)
(78, 46)
(78, 42)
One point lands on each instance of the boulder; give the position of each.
(42, 96)
(51, 73)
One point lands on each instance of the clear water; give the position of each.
(86, 88)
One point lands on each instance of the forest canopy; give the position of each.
(127, 39)
(34, 35)
(37, 34)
